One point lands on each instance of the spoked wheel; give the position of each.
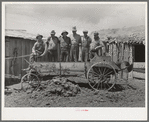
(102, 76)
(29, 82)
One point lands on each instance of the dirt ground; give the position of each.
(132, 95)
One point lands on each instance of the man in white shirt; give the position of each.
(86, 41)
(75, 42)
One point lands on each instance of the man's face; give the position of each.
(52, 35)
(74, 32)
(85, 33)
(39, 38)
(96, 36)
(64, 34)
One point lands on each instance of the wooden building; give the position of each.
(17, 43)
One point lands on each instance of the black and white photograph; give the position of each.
(74, 60)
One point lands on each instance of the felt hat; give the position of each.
(64, 32)
(39, 36)
(53, 32)
(85, 31)
(96, 34)
(74, 28)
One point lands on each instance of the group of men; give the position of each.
(69, 46)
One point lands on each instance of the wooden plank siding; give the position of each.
(14, 67)
(114, 53)
(126, 58)
(7, 62)
(26, 51)
(130, 75)
(19, 59)
(23, 53)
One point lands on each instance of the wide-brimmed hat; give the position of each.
(64, 32)
(53, 32)
(74, 28)
(39, 36)
(85, 31)
(96, 34)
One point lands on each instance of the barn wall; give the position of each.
(7, 54)
(16, 47)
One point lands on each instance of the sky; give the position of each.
(40, 18)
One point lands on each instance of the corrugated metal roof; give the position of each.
(19, 34)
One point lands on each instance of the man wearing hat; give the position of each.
(95, 45)
(75, 41)
(37, 49)
(53, 43)
(86, 41)
(65, 44)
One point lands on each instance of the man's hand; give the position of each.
(38, 52)
(98, 47)
(93, 50)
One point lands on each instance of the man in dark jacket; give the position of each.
(53, 43)
(65, 44)
(75, 41)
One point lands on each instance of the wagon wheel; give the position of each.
(30, 81)
(102, 76)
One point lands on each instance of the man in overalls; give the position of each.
(37, 49)
(75, 41)
(96, 45)
(65, 44)
(52, 43)
(86, 41)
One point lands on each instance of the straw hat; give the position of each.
(39, 36)
(64, 32)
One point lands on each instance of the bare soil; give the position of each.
(132, 95)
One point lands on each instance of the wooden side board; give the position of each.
(138, 75)
(139, 65)
(54, 68)
(139, 70)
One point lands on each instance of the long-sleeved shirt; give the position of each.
(86, 41)
(38, 47)
(65, 43)
(75, 39)
(53, 43)
(95, 43)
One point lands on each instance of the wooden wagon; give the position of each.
(101, 72)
